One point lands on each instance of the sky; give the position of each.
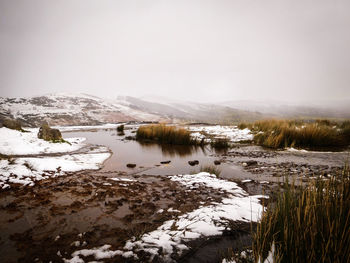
(194, 50)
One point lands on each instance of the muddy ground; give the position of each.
(57, 216)
(54, 218)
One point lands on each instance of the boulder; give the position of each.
(131, 165)
(120, 128)
(48, 134)
(12, 124)
(193, 163)
(216, 162)
(251, 162)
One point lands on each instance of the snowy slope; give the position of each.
(72, 109)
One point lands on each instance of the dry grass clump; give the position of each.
(165, 134)
(220, 143)
(309, 224)
(345, 131)
(297, 133)
(243, 125)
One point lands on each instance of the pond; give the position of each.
(148, 156)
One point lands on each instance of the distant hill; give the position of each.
(71, 109)
(195, 112)
(83, 109)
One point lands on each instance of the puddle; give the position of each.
(147, 156)
(215, 248)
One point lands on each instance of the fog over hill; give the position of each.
(307, 109)
(83, 109)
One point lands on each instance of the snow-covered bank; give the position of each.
(28, 170)
(208, 180)
(205, 221)
(14, 142)
(231, 132)
(168, 239)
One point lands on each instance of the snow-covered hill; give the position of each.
(72, 109)
(81, 109)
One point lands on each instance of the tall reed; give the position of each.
(287, 133)
(165, 134)
(308, 224)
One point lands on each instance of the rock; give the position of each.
(120, 128)
(216, 162)
(48, 134)
(165, 162)
(251, 162)
(12, 124)
(131, 165)
(193, 163)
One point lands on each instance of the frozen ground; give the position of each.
(169, 239)
(28, 170)
(231, 132)
(14, 142)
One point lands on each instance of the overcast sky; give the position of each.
(183, 49)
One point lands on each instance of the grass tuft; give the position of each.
(61, 141)
(220, 143)
(165, 134)
(309, 224)
(295, 133)
(211, 169)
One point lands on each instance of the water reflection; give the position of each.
(169, 150)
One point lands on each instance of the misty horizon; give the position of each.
(201, 51)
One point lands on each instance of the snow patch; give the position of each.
(296, 150)
(27, 171)
(208, 180)
(123, 179)
(204, 221)
(102, 252)
(231, 132)
(14, 142)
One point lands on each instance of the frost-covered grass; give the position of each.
(165, 134)
(13, 142)
(299, 134)
(309, 224)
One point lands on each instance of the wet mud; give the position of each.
(60, 215)
(57, 216)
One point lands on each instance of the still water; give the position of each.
(148, 156)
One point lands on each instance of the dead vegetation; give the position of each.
(300, 134)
